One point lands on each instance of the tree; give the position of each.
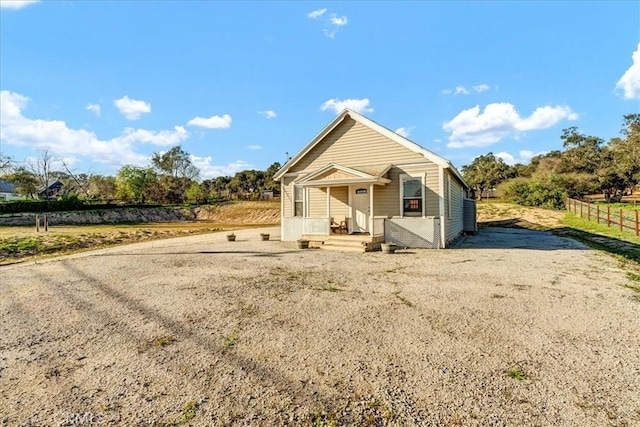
(583, 154)
(176, 173)
(26, 182)
(41, 167)
(197, 193)
(6, 163)
(486, 172)
(218, 186)
(102, 187)
(176, 163)
(269, 183)
(133, 182)
(620, 170)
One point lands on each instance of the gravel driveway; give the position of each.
(510, 327)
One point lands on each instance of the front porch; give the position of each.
(404, 232)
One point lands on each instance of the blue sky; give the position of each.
(240, 84)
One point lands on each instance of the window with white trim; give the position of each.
(412, 196)
(298, 200)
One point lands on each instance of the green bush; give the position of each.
(529, 192)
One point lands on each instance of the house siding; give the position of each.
(317, 198)
(387, 198)
(353, 144)
(455, 221)
(339, 203)
(287, 197)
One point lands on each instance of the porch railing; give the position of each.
(378, 227)
(315, 226)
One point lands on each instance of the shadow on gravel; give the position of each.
(520, 234)
(302, 394)
(246, 253)
(628, 250)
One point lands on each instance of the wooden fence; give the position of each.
(623, 219)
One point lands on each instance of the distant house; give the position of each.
(8, 191)
(357, 177)
(52, 190)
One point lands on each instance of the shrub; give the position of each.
(530, 192)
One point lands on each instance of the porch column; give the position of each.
(443, 237)
(329, 203)
(371, 210)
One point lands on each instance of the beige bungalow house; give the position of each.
(357, 178)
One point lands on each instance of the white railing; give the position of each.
(315, 226)
(378, 227)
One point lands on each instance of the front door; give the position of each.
(361, 209)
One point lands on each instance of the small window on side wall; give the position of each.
(412, 197)
(298, 201)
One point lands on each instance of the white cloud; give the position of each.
(209, 170)
(269, 114)
(213, 122)
(524, 157)
(132, 109)
(461, 90)
(404, 131)
(472, 128)
(357, 105)
(629, 83)
(335, 22)
(254, 147)
(95, 108)
(16, 4)
(338, 21)
(316, 13)
(65, 142)
(331, 23)
(161, 138)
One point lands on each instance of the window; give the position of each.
(412, 196)
(298, 200)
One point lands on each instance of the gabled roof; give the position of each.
(429, 155)
(7, 187)
(354, 176)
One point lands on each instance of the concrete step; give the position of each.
(343, 244)
(342, 248)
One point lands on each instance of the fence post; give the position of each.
(608, 216)
(637, 224)
(588, 212)
(37, 223)
(598, 213)
(46, 223)
(621, 224)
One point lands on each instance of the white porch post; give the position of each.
(371, 210)
(441, 206)
(328, 202)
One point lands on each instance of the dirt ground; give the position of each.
(511, 327)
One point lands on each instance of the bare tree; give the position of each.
(41, 167)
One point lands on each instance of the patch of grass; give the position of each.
(324, 419)
(163, 341)
(403, 299)
(329, 288)
(229, 341)
(633, 276)
(498, 296)
(395, 269)
(601, 237)
(517, 373)
(188, 412)
(635, 287)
